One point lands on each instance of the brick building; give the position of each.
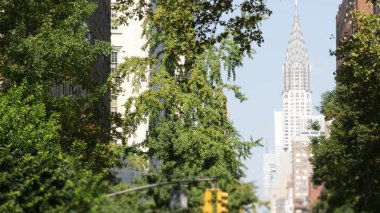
(343, 18)
(344, 21)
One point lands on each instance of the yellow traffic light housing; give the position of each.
(207, 201)
(221, 202)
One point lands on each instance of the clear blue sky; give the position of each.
(261, 77)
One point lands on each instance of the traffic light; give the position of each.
(221, 202)
(207, 201)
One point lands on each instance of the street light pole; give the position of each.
(176, 182)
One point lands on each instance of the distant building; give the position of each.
(314, 193)
(303, 188)
(291, 181)
(301, 173)
(269, 169)
(127, 41)
(278, 135)
(306, 128)
(281, 189)
(297, 92)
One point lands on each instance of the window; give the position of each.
(114, 20)
(113, 25)
(114, 57)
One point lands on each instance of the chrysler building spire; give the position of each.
(297, 91)
(296, 68)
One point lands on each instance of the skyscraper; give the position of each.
(297, 93)
(292, 120)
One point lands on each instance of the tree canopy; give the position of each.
(44, 44)
(35, 175)
(190, 45)
(54, 147)
(347, 161)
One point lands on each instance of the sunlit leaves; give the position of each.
(191, 44)
(347, 161)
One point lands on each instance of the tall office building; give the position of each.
(293, 119)
(297, 93)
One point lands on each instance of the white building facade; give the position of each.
(278, 135)
(127, 41)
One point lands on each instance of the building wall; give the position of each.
(343, 19)
(288, 123)
(305, 129)
(279, 195)
(301, 172)
(305, 193)
(127, 41)
(100, 29)
(314, 193)
(269, 168)
(278, 135)
(344, 22)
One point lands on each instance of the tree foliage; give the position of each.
(190, 45)
(43, 43)
(35, 175)
(54, 147)
(347, 162)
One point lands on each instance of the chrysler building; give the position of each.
(296, 94)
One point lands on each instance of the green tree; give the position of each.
(55, 148)
(44, 43)
(35, 176)
(347, 162)
(191, 43)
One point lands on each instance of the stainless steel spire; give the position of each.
(297, 91)
(296, 68)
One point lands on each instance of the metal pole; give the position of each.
(161, 184)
